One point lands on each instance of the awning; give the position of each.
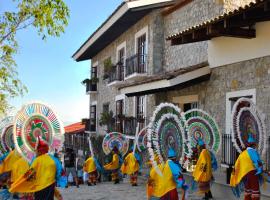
(237, 23)
(169, 81)
(125, 16)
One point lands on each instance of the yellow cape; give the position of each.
(203, 169)
(9, 161)
(243, 165)
(114, 164)
(19, 168)
(89, 165)
(42, 172)
(160, 185)
(130, 164)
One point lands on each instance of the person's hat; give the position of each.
(42, 146)
(171, 153)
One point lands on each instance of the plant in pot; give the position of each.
(108, 67)
(94, 80)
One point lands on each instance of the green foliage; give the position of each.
(108, 67)
(107, 119)
(48, 17)
(94, 80)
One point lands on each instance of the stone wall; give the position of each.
(107, 94)
(251, 74)
(196, 12)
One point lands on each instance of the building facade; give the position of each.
(192, 53)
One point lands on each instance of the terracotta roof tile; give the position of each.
(75, 128)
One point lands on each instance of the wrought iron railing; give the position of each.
(117, 73)
(129, 125)
(136, 64)
(229, 153)
(91, 86)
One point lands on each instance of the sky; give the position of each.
(46, 67)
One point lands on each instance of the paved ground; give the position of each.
(109, 191)
(123, 191)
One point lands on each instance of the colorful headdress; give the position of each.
(36, 120)
(142, 140)
(6, 134)
(248, 121)
(115, 140)
(202, 129)
(171, 153)
(42, 146)
(167, 130)
(251, 140)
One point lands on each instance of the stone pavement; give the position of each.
(109, 191)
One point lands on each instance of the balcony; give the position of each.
(91, 85)
(136, 67)
(116, 75)
(128, 125)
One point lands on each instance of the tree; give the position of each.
(48, 17)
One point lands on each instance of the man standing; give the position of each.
(70, 163)
(248, 169)
(114, 165)
(165, 185)
(131, 167)
(203, 172)
(41, 177)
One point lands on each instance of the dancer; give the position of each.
(114, 166)
(164, 186)
(92, 167)
(203, 173)
(131, 167)
(248, 170)
(40, 179)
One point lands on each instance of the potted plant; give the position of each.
(94, 80)
(108, 67)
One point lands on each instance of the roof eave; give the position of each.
(116, 15)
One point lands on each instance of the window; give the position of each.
(119, 107)
(121, 63)
(186, 102)
(93, 119)
(119, 115)
(106, 107)
(189, 106)
(141, 52)
(94, 72)
(140, 107)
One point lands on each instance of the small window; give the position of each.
(119, 107)
(140, 107)
(106, 108)
(93, 119)
(94, 72)
(189, 106)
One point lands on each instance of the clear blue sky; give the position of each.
(46, 67)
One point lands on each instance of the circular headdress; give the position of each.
(202, 126)
(6, 131)
(115, 139)
(142, 140)
(247, 120)
(167, 130)
(37, 120)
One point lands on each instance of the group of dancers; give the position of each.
(29, 171)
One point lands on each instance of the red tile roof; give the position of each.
(75, 128)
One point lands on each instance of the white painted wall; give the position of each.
(227, 50)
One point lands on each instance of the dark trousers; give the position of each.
(46, 194)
